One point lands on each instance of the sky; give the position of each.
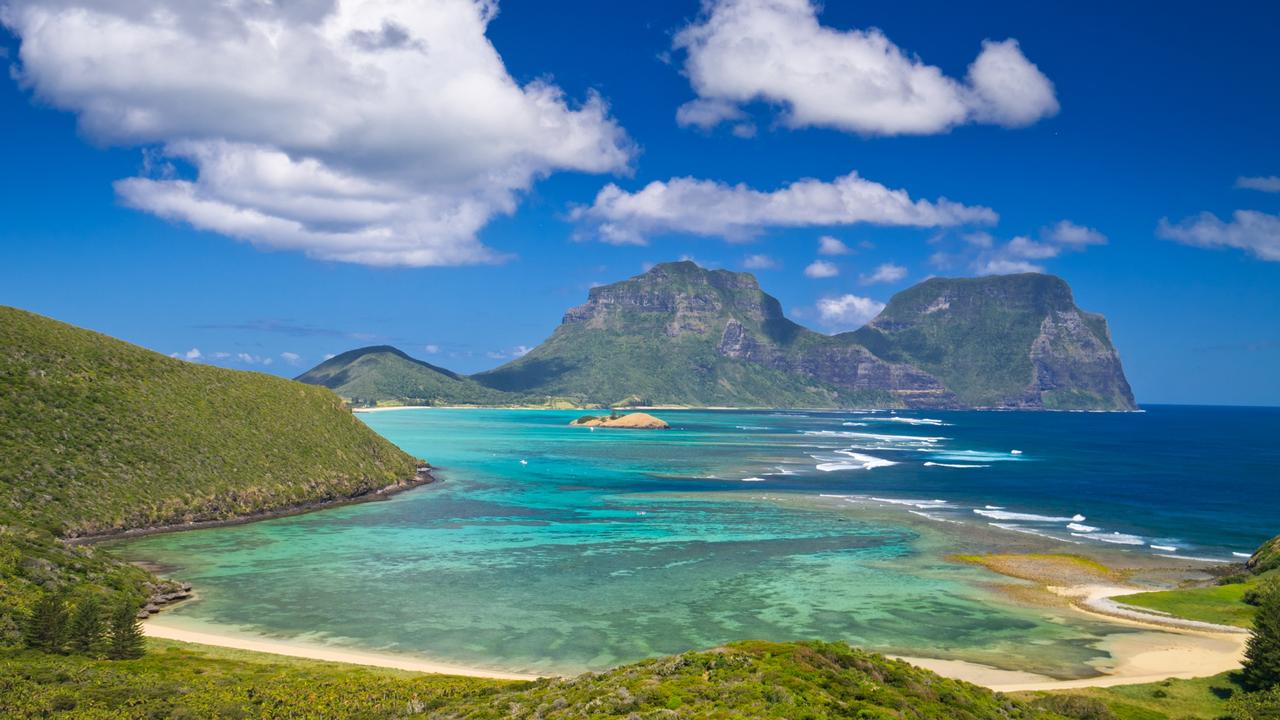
(262, 185)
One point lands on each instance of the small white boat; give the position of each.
(524, 462)
(1015, 452)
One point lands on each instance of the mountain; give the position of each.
(1003, 341)
(684, 335)
(99, 435)
(368, 375)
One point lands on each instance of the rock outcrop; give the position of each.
(631, 421)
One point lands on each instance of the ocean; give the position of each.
(553, 549)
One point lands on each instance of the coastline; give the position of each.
(1136, 658)
(156, 627)
(425, 475)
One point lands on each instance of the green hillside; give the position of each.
(1003, 341)
(814, 681)
(98, 435)
(379, 374)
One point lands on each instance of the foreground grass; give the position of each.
(795, 681)
(1222, 604)
(1200, 699)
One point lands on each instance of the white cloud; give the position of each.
(247, 359)
(291, 358)
(1254, 232)
(329, 356)
(885, 273)
(979, 239)
(1069, 233)
(431, 349)
(193, 354)
(221, 355)
(1019, 254)
(847, 312)
(268, 361)
(495, 355)
(759, 262)
(821, 269)
(828, 245)
(1270, 183)
(775, 51)
(383, 132)
(520, 351)
(737, 212)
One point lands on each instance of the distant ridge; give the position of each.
(381, 373)
(680, 334)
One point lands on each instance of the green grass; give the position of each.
(1221, 604)
(97, 435)
(1199, 699)
(384, 375)
(795, 681)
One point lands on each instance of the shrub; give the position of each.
(1262, 655)
(1077, 707)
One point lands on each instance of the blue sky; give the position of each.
(335, 210)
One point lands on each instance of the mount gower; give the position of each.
(680, 334)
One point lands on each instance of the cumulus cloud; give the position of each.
(431, 349)
(828, 245)
(329, 356)
(1021, 254)
(759, 262)
(738, 212)
(821, 269)
(885, 273)
(847, 312)
(383, 132)
(193, 354)
(1270, 183)
(776, 51)
(520, 350)
(1255, 232)
(291, 358)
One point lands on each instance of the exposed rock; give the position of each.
(630, 421)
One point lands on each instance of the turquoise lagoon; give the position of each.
(552, 549)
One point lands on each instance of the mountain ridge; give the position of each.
(680, 334)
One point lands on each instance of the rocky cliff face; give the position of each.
(681, 334)
(1011, 341)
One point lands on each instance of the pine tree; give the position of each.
(87, 631)
(1262, 655)
(126, 642)
(46, 626)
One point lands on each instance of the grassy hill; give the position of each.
(98, 435)
(814, 681)
(372, 375)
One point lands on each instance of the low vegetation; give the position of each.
(99, 436)
(744, 680)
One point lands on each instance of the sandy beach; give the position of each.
(157, 627)
(1150, 654)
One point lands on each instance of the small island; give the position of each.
(631, 421)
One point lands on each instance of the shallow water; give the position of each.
(608, 546)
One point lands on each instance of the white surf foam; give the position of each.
(1193, 558)
(922, 504)
(860, 462)
(753, 479)
(1166, 548)
(1028, 531)
(911, 421)
(934, 517)
(874, 436)
(1115, 538)
(1241, 555)
(854, 424)
(952, 465)
(1081, 528)
(1027, 517)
